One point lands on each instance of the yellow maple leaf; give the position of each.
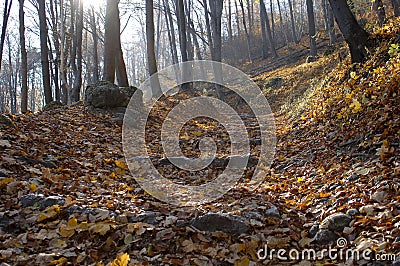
(59, 262)
(355, 106)
(33, 187)
(242, 262)
(121, 164)
(101, 228)
(49, 213)
(5, 181)
(122, 260)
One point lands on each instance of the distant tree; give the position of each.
(151, 57)
(355, 36)
(311, 27)
(44, 52)
(268, 28)
(245, 30)
(292, 22)
(6, 15)
(377, 6)
(24, 59)
(396, 7)
(77, 42)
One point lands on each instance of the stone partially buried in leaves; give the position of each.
(337, 222)
(212, 222)
(325, 237)
(104, 94)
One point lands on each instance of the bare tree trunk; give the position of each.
(24, 59)
(180, 13)
(377, 6)
(171, 33)
(263, 35)
(151, 57)
(56, 41)
(189, 39)
(110, 36)
(396, 7)
(245, 30)
(311, 27)
(122, 76)
(237, 19)
(208, 27)
(229, 21)
(271, 40)
(95, 46)
(271, 5)
(216, 7)
(76, 88)
(6, 14)
(48, 97)
(293, 23)
(355, 36)
(282, 27)
(331, 24)
(249, 16)
(63, 67)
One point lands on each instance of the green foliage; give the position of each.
(394, 49)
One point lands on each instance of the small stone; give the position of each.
(122, 219)
(379, 196)
(352, 212)
(324, 237)
(313, 230)
(273, 212)
(337, 222)
(367, 210)
(41, 201)
(352, 178)
(213, 222)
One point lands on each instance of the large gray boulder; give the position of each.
(105, 95)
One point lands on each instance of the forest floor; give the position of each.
(67, 197)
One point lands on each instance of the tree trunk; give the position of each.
(396, 7)
(229, 21)
(292, 22)
(271, 40)
(237, 19)
(355, 36)
(48, 97)
(122, 76)
(180, 13)
(377, 6)
(311, 27)
(24, 59)
(6, 14)
(110, 36)
(331, 24)
(96, 76)
(63, 58)
(263, 35)
(208, 27)
(151, 57)
(271, 5)
(282, 28)
(216, 7)
(245, 30)
(76, 88)
(171, 33)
